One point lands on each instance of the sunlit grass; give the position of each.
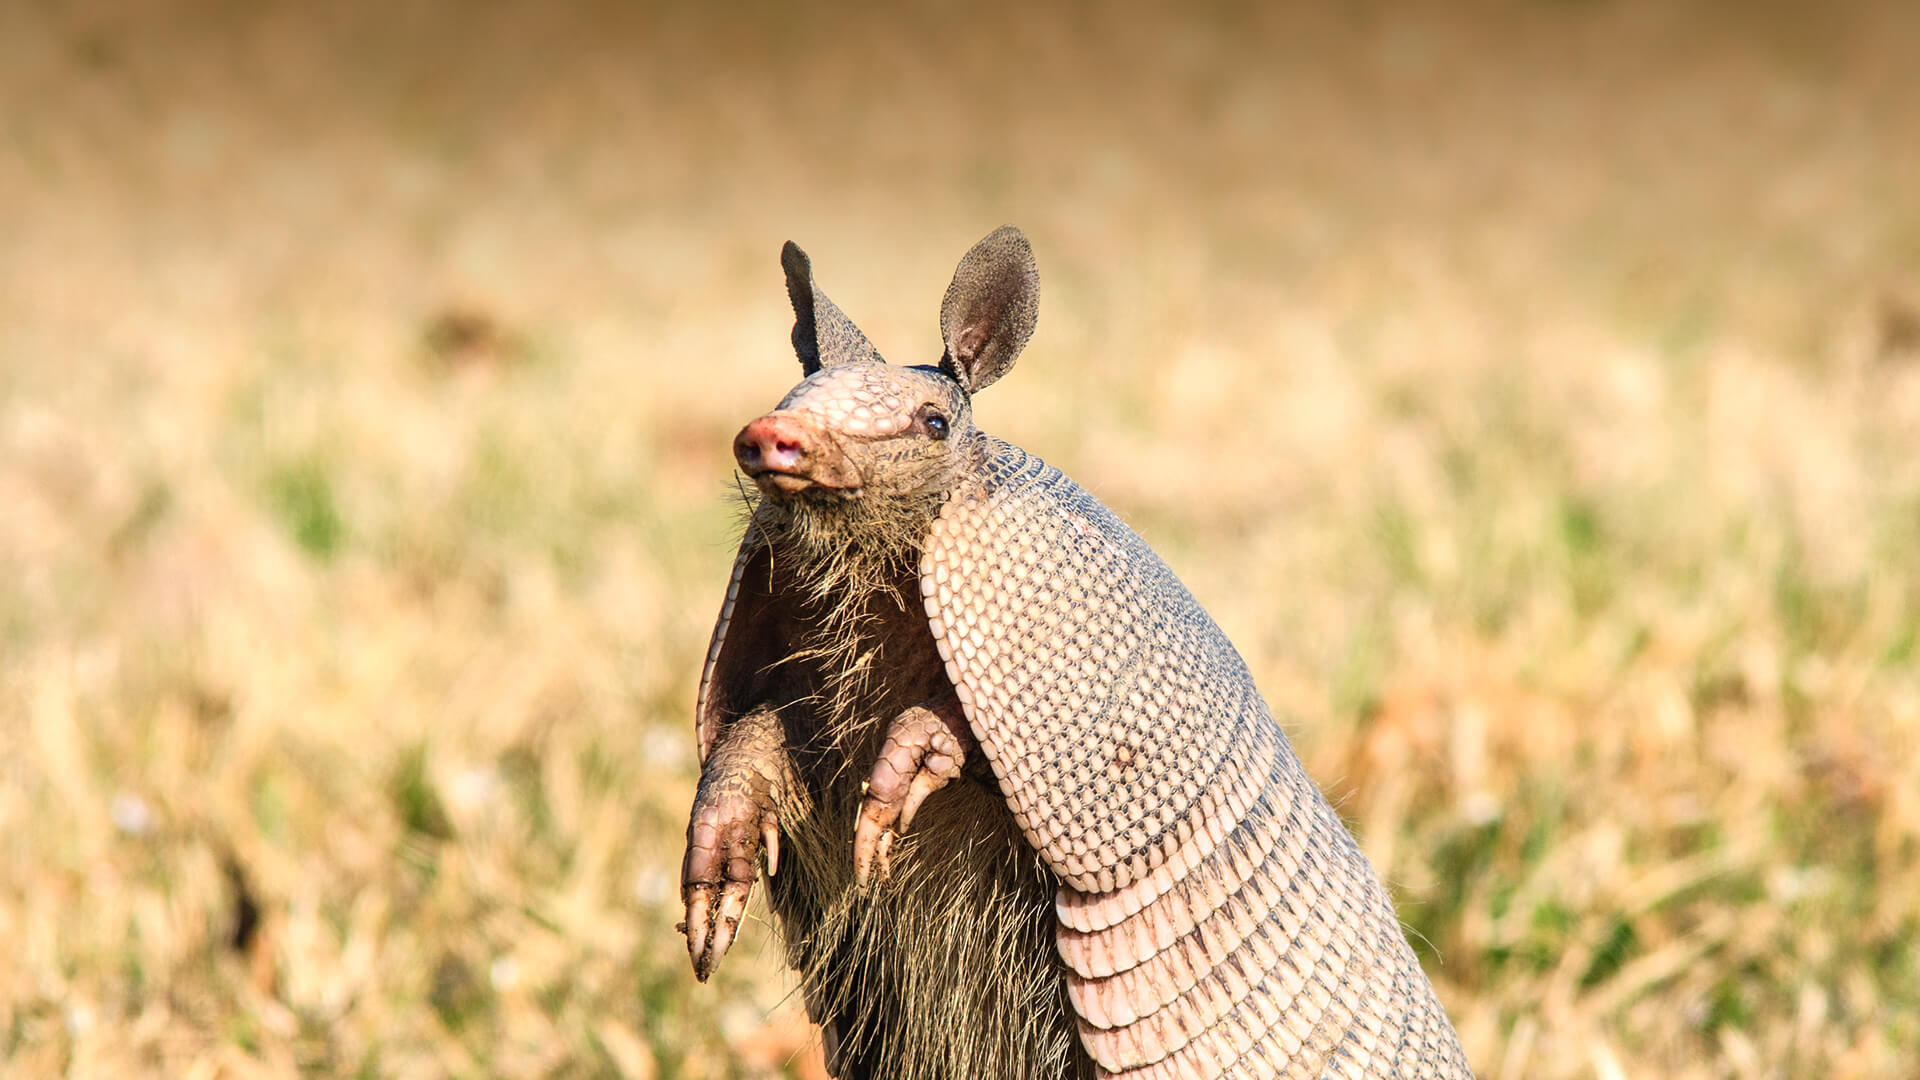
(1529, 390)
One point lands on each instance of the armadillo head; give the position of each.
(854, 467)
(857, 429)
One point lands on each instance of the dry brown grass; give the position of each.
(1532, 389)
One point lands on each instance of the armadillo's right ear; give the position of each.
(822, 334)
(990, 309)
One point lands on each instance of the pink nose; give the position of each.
(787, 453)
(775, 444)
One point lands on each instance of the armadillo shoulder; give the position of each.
(1108, 703)
(1215, 917)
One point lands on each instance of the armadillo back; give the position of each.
(1216, 917)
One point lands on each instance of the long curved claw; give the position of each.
(734, 820)
(922, 753)
(770, 836)
(874, 827)
(711, 927)
(925, 782)
(716, 877)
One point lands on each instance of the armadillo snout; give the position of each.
(786, 454)
(773, 443)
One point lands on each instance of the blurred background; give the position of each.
(1530, 387)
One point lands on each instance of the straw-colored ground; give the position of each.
(1531, 389)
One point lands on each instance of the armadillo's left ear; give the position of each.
(822, 334)
(990, 309)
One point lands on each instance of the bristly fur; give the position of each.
(849, 555)
(849, 547)
(895, 974)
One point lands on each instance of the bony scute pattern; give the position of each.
(1215, 917)
(1073, 663)
(866, 403)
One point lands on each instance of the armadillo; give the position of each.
(1021, 810)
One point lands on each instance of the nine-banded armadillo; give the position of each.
(1116, 863)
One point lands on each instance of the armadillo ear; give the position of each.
(822, 334)
(990, 309)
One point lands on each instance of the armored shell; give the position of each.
(1210, 915)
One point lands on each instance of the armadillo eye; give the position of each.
(936, 426)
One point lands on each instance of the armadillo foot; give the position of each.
(923, 751)
(734, 819)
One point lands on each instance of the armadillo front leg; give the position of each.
(734, 816)
(926, 746)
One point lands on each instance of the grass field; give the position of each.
(1532, 390)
